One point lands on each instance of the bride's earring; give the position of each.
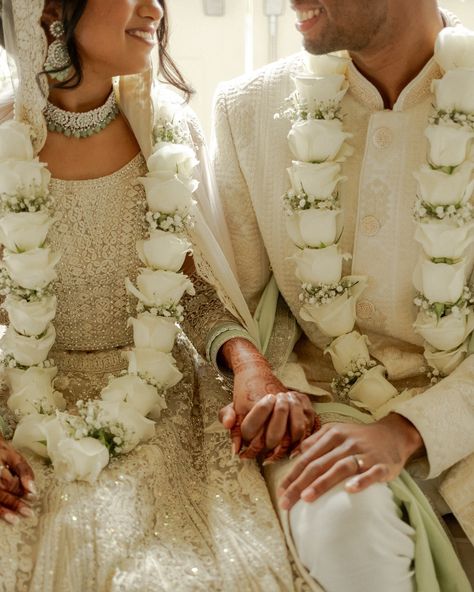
(58, 62)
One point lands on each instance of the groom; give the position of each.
(344, 524)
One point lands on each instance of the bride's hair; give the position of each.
(72, 12)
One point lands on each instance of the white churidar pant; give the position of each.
(355, 542)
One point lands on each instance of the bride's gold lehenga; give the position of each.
(178, 513)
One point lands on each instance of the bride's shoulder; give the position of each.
(6, 107)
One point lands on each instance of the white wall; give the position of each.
(212, 49)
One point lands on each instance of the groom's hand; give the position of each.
(264, 413)
(360, 455)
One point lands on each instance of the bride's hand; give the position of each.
(263, 413)
(16, 481)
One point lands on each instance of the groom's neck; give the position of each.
(401, 48)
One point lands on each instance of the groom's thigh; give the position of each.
(344, 539)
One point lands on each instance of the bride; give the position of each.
(178, 512)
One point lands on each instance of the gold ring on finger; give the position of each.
(360, 465)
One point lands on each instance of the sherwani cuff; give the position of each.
(3, 427)
(220, 335)
(444, 416)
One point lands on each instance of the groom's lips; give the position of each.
(307, 17)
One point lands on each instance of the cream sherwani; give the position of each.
(251, 157)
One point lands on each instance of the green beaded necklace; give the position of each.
(81, 125)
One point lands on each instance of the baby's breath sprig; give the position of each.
(170, 131)
(444, 309)
(457, 117)
(9, 287)
(8, 361)
(294, 109)
(461, 213)
(175, 222)
(170, 310)
(344, 382)
(433, 374)
(320, 294)
(94, 424)
(26, 201)
(297, 202)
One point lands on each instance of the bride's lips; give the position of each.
(144, 34)
(306, 19)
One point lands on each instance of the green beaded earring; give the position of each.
(58, 62)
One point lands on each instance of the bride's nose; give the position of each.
(151, 9)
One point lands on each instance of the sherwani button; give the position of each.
(370, 225)
(382, 137)
(365, 309)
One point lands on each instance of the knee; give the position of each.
(337, 513)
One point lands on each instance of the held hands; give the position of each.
(364, 454)
(16, 484)
(264, 414)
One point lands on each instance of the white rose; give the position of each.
(372, 389)
(160, 288)
(170, 159)
(18, 379)
(312, 228)
(325, 65)
(24, 231)
(15, 142)
(30, 434)
(454, 48)
(79, 460)
(163, 250)
(138, 427)
(28, 179)
(28, 351)
(314, 90)
(445, 361)
(30, 318)
(441, 282)
(347, 349)
(439, 189)
(339, 316)
(136, 392)
(446, 333)
(449, 145)
(159, 366)
(154, 332)
(317, 140)
(441, 239)
(318, 180)
(34, 269)
(175, 194)
(32, 391)
(455, 91)
(319, 266)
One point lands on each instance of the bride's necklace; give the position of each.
(443, 217)
(81, 125)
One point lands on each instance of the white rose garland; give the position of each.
(80, 446)
(443, 215)
(443, 211)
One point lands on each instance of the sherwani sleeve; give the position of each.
(444, 416)
(230, 134)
